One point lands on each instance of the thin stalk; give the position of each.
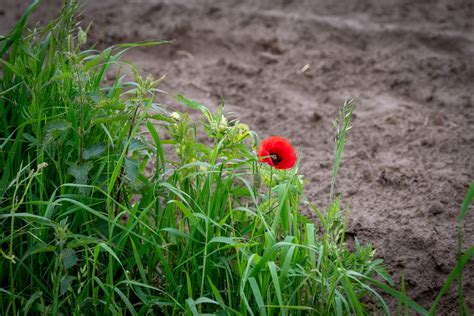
(342, 126)
(122, 169)
(210, 175)
(270, 189)
(56, 282)
(204, 259)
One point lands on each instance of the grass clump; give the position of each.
(88, 228)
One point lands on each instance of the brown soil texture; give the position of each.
(285, 67)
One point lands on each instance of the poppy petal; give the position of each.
(281, 152)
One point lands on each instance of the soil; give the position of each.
(285, 67)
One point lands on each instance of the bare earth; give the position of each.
(285, 67)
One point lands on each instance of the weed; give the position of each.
(88, 228)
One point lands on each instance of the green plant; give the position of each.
(109, 203)
(72, 151)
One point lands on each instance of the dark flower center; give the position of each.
(275, 158)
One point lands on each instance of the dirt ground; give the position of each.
(285, 67)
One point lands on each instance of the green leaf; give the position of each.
(126, 301)
(216, 293)
(81, 174)
(205, 300)
(223, 240)
(93, 151)
(190, 103)
(160, 160)
(20, 26)
(466, 202)
(131, 169)
(66, 284)
(192, 306)
(11, 67)
(30, 302)
(452, 277)
(276, 283)
(194, 105)
(257, 295)
(55, 133)
(136, 144)
(69, 258)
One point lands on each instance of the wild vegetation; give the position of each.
(109, 202)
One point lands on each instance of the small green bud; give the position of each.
(223, 123)
(81, 37)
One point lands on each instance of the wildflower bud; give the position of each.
(175, 116)
(149, 82)
(243, 131)
(223, 123)
(243, 128)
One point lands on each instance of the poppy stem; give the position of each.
(270, 189)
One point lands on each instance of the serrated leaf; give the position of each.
(55, 133)
(131, 169)
(93, 151)
(66, 284)
(69, 258)
(80, 173)
(136, 144)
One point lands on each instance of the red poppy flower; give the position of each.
(277, 152)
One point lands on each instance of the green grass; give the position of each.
(86, 228)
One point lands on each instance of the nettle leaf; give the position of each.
(131, 169)
(66, 284)
(55, 133)
(81, 174)
(69, 258)
(136, 144)
(94, 151)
